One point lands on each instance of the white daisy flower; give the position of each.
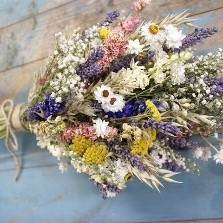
(202, 153)
(150, 37)
(174, 36)
(134, 46)
(158, 157)
(116, 103)
(103, 94)
(178, 73)
(218, 157)
(101, 127)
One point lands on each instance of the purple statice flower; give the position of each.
(215, 84)
(124, 62)
(172, 166)
(111, 16)
(131, 108)
(124, 152)
(164, 127)
(177, 143)
(90, 68)
(217, 89)
(48, 107)
(196, 37)
(107, 189)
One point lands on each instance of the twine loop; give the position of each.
(10, 122)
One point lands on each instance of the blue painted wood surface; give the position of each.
(43, 194)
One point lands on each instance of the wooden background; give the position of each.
(42, 193)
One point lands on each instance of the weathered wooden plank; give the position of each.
(33, 38)
(201, 221)
(44, 194)
(18, 80)
(14, 11)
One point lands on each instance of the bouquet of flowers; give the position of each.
(121, 98)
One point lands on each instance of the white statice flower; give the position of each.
(101, 127)
(159, 157)
(178, 73)
(160, 78)
(121, 171)
(63, 166)
(56, 151)
(116, 103)
(218, 157)
(202, 153)
(134, 46)
(103, 94)
(110, 194)
(132, 78)
(43, 141)
(174, 36)
(160, 54)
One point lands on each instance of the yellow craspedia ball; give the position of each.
(95, 154)
(103, 32)
(154, 28)
(80, 144)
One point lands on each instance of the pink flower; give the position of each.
(127, 26)
(82, 129)
(67, 134)
(112, 132)
(140, 5)
(85, 129)
(114, 45)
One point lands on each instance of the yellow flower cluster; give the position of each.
(155, 113)
(140, 146)
(95, 154)
(80, 144)
(103, 32)
(154, 29)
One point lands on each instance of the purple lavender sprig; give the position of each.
(196, 37)
(111, 16)
(177, 143)
(124, 62)
(90, 68)
(105, 189)
(164, 127)
(172, 166)
(48, 107)
(135, 161)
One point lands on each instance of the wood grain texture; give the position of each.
(16, 11)
(33, 38)
(18, 80)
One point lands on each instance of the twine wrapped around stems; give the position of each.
(9, 123)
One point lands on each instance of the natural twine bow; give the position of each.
(7, 129)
